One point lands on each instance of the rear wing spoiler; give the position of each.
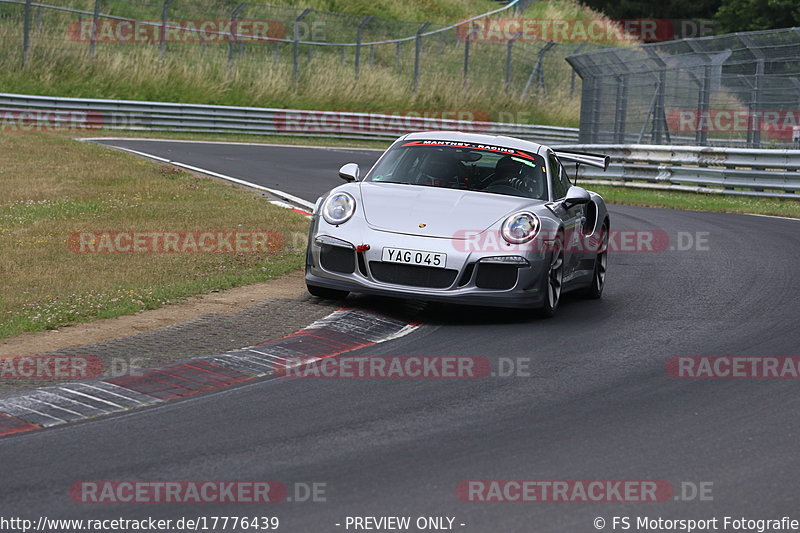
(582, 158)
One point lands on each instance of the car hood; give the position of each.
(445, 213)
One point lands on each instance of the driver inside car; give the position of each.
(441, 169)
(512, 172)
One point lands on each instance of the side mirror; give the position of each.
(349, 172)
(577, 195)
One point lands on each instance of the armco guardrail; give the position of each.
(27, 111)
(752, 172)
(740, 171)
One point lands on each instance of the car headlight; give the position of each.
(520, 227)
(338, 208)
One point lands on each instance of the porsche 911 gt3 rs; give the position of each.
(464, 218)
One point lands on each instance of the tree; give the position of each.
(675, 9)
(746, 15)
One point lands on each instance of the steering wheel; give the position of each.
(504, 187)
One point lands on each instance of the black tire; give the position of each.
(595, 290)
(328, 294)
(553, 281)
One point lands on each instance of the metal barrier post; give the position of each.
(509, 48)
(296, 51)
(26, 30)
(163, 33)
(470, 35)
(418, 44)
(572, 79)
(536, 73)
(95, 20)
(233, 38)
(359, 30)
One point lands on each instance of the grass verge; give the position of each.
(261, 74)
(52, 186)
(719, 203)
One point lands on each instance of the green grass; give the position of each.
(720, 203)
(262, 74)
(52, 186)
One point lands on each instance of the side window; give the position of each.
(560, 180)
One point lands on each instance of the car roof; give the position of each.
(478, 138)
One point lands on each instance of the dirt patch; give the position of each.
(222, 302)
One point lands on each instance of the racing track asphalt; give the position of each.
(599, 404)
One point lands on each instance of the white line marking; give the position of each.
(32, 398)
(95, 398)
(122, 395)
(770, 216)
(239, 143)
(59, 398)
(268, 354)
(21, 415)
(286, 196)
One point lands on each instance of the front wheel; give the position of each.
(553, 282)
(328, 294)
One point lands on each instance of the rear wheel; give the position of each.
(553, 281)
(595, 290)
(328, 294)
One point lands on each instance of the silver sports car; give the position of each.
(465, 218)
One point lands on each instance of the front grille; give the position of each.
(337, 259)
(467, 275)
(413, 275)
(496, 276)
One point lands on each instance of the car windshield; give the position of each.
(461, 165)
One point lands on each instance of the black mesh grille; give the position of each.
(337, 259)
(416, 276)
(496, 276)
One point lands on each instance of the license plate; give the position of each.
(414, 257)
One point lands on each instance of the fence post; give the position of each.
(359, 30)
(659, 128)
(95, 19)
(397, 55)
(536, 73)
(26, 31)
(163, 33)
(509, 48)
(572, 79)
(754, 121)
(701, 134)
(296, 50)
(621, 113)
(418, 46)
(232, 40)
(467, 41)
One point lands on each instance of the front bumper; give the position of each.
(335, 262)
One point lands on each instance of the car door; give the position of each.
(573, 217)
